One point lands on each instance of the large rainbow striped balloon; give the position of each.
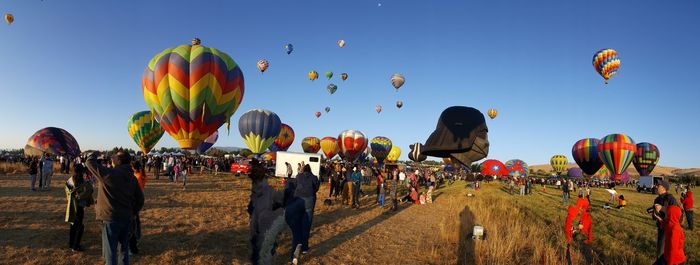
(145, 130)
(585, 153)
(192, 90)
(616, 151)
(606, 63)
(380, 148)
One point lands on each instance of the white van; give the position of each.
(313, 160)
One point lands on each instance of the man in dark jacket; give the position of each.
(119, 197)
(307, 185)
(266, 210)
(661, 204)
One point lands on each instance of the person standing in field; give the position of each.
(33, 170)
(46, 173)
(661, 204)
(79, 195)
(687, 202)
(119, 197)
(393, 192)
(307, 185)
(135, 229)
(157, 166)
(355, 179)
(564, 192)
(674, 240)
(267, 216)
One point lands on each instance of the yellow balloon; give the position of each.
(313, 75)
(394, 154)
(9, 18)
(341, 43)
(492, 113)
(559, 163)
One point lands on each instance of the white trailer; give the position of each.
(313, 160)
(648, 183)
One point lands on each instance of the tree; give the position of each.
(245, 152)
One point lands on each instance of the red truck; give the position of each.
(241, 167)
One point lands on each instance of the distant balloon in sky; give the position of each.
(313, 75)
(9, 18)
(341, 43)
(606, 63)
(344, 76)
(331, 88)
(397, 81)
(399, 104)
(492, 113)
(289, 48)
(329, 74)
(328, 109)
(318, 114)
(379, 5)
(263, 65)
(378, 108)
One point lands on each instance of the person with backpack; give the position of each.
(79, 195)
(33, 170)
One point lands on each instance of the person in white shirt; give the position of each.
(46, 173)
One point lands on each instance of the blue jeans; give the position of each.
(295, 214)
(309, 204)
(381, 199)
(115, 241)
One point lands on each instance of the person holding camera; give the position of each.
(658, 212)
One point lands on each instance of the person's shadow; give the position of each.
(466, 253)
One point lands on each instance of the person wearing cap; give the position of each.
(661, 203)
(687, 201)
(355, 179)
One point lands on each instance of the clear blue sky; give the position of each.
(78, 65)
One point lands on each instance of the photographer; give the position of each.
(658, 212)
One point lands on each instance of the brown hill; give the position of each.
(658, 170)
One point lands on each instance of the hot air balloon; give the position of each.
(259, 129)
(606, 63)
(380, 148)
(492, 167)
(341, 43)
(284, 140)
(602, 173)
(145, 130)
(9, 18)
(558, 163)
(585, 153)
(616, 151)
(351, 144)
(192, 90)
(329, 146)
(517, 167)
(492, 113)
(397, 81)
(313, 75)
(270, 156)
(575, 172)
(646, 156)
(263, 65)
(461, 134)
(378, 108)
(52, 140)
(208, 143)
(289, 48)
(344, 76)
(329, 74)
(327, 109)
(399, 104)
(415, 154)
(331, 88)
(318, 114)
(310, 145)
(394, 154)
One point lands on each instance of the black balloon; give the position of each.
(461, 133)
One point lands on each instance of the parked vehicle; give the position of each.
(648, 184)
(314, 160)
(240, 167)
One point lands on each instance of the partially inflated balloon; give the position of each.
(517, 168)
(329, 146)
(192, 90)
(492, 167)
(327, 109)
(310, 145)
(208, 143)
(397, 81)
(318, 114)
(616, 151)
(399, 104)
(585, 153)
(645, 158)
(331, 88)
(145, 130)
(415, 154)
(351, 143)
(606, 63)
(394, 154)
(263, 65)
(9, 18)
(378, 108)
(259, 129)
(341, 43)
(558, 163)
(344, 76)
(380, 148)
(284, 139)
(492, 113)
(270, 156)
(52, 140)
(329, 75)
(574, 172)
(289, 48)
(313, 75)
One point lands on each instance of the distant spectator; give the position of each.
(33, 170)
(687, 202)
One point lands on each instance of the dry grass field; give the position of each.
(207, 224)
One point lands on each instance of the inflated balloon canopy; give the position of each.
(461, 133)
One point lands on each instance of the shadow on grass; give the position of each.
(466, 253)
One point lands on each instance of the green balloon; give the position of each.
(329, 74)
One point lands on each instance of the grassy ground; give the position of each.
(207, 223)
